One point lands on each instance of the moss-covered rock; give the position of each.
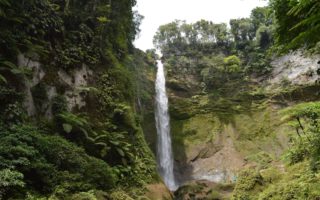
(204, 190)
(226, 137)
(158, 191)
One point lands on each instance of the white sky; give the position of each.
(159, 12)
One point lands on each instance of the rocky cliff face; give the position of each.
(295, 68)
(41, 90)
(79, 89)
(215, 136)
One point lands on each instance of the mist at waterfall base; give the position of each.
(164, 149)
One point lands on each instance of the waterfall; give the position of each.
(164, 149)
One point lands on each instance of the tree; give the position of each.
(201, 36)
(260, 16)
(243, 32)
(264, 37)
(305, 118)
(168, 38)
(190, 33)
(232, 64)
(221, 34)
(298, 22)
(10, 179)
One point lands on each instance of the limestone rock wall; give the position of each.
(73, 85)
(215, 136)
(296, 68)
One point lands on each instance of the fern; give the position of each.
(310, 110)
(13, 69)
(3, 79)
(74, 120)
(308, 13)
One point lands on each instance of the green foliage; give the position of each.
(299, 152)
(247, 185)
(104, 142)
(216, 70)
(115, 86)
(286, 192)
(259, 62)
(84, 196)
(65, 33)
(11, 108)
(50, 161)
(8, 69)
(13, 113)
(39, 95)
(178, 37)
(261, 16)
(232, 64)
(120, 195)
(10, 179)
(59, 105)
(73, 153)
(72, 120)
(243, 32)
(298, 22)
(3, 79)
(264, 37)
(195, 48)
(309, 110)
(304, 118)
(211, 69)
(263, 159)
(297, 183)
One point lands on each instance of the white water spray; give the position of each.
(164, 149)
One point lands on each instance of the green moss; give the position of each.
(271, 174)
(120, 195)
(84, 196)
(177, 139)
(263, 159)
(197, 130)
(261, 130)
(296, 182)
(181, 109)
(176, 85)
(214, 195)
(189, 191)
(204, 190)
(297, 93)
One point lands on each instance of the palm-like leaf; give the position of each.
(3, 79)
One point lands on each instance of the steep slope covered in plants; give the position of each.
(72, 93)
(214, 103)
(227, 88)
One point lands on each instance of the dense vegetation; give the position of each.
(248, 39)
(298, 23)
(73, 152)
(218, 75)
(96, 149)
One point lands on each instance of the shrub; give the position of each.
(49, 161)
(246, 184)
(10, 179)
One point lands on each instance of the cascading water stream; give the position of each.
(164, 149)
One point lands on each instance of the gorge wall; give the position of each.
(231, 90)
(77, 116)
(74, 91)
(214, 137)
